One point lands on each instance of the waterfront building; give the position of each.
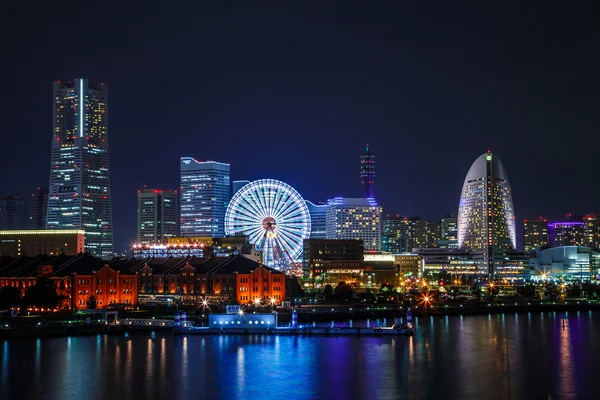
(448, 233)
(331, 261)
(318, 220)
(456, 262)
(567, 234)
(355, 218)
(486, 220)
(205, 192)
(571, 263)
(535, 234)
(379, 268)
(31, 243)
(409, 264)
(157, 216)
(75, 278)
(367, 173)
(79, 192)
(234, 279)
(13, 212)
(38, 209)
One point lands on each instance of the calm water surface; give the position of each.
(524, 356)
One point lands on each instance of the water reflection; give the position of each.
(486, 357)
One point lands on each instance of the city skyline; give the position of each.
(425, 120)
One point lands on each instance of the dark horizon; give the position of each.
(295, 93)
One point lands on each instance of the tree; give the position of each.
(42, 294)
(328, 292)
(9, 297)
(91, 303)
(343, 292)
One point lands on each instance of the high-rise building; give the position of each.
(567, 234)
(486, 220)
(318, 220)
(367, 173)
(38, 209)
(13, 212)
(79, 191)
(535, 234)
(592, 230)
(157, 216)
(205, 193)
(358, 218)
(448, 232)
(394, 234)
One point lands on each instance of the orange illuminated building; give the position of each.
(75, 278)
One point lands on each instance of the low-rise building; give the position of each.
(572, 263)
(31, 243)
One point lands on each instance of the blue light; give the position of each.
(80, 107)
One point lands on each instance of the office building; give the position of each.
(367, 173)
(567, 234)
(38, 209)
(318, 220)
(205, 193)
(486, 220)
(355, 218)
(79, 192)
(13, 212)
(592, 231)
(448, 233)
(237, 185)
(401, 234)
(157, 216)
(535, 234)
(409, 264)
(379, 267)
(30, 243)
(394, 235)
(331, 261)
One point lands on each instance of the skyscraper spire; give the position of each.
(367, 173)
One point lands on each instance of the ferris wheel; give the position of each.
(274, 217)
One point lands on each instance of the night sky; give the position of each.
(295, 93)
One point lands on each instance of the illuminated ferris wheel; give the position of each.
(274, 217)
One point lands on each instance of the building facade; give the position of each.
(38, 209)
(13, 212)
(571, 263)
(448, 233)
(355, 219)
(157, 216)
(30, 243)
(535, 234)
(567, 234)
(205, 193)
(367, 173)
(486, 220)
(79, 192)
(327, 260)
(318, 220)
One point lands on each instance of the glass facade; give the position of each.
(567, 234)
(157, 216)
(486, 220)
(448, 233)
(535, 234)
(318, 220)
(367, 173)
(205, 193)
(13, 212)
(79, 190)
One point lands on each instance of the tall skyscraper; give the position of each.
(448, 232)
(394, 234)
(592, 230)
(38, 209)
(79, 190)
(205, 193)
(13, 212)
(486, 219)
(157, 215)
(357, 218)
(535, 234)
(367, 173)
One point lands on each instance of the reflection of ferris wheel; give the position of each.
(274, 217)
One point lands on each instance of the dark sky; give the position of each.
(295, 92)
